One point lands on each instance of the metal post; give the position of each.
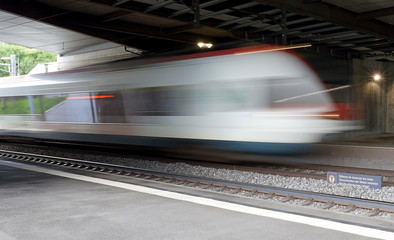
(283, 25)
(6, 64)
(18, 66)
(13, 65)
(196, 10)
(31, 104)
(93, 107)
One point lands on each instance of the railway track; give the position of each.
(306, 198)
(205, 158)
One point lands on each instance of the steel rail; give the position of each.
(204, 183)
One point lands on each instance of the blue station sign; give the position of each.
(370, 181)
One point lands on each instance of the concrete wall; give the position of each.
(389, 79)
(375, 97)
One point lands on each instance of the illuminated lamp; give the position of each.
(204, 45)
(376, 77)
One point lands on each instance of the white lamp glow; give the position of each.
(377, 77)
(204, 45)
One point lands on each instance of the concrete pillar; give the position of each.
(388, 77)
(373, 96)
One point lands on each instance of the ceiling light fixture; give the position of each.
(376, 77)
(204, 45)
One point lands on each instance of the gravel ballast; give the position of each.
(385, 194)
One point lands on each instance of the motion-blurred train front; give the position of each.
(249, 99)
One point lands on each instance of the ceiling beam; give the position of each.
(120, 2)
(278, 25)
(227, 10)
(376, 13)
(110, 28)
(337, 15)
(185, 22)
(101, 27)
(326, 37)
(202, 5)
(159, 5)
(114, 15)
(135, 29)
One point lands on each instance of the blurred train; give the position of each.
(251, 99)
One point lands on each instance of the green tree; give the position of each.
(28, 58)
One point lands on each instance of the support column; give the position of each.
(389, 78)
(283, 25)
(196, 10)
(372, 95)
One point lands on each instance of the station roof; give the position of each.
(351, 28)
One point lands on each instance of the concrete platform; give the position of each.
(368, 140)
(42, 203)
(375, 151)
(362, 151)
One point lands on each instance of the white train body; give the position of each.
(245, 99)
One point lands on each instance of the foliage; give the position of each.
(28, 58)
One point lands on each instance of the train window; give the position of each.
(241, 95)
(159, 101)
(14, 105)
(28, 104)
(86, 107)
(109, 107)
(228, 98)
